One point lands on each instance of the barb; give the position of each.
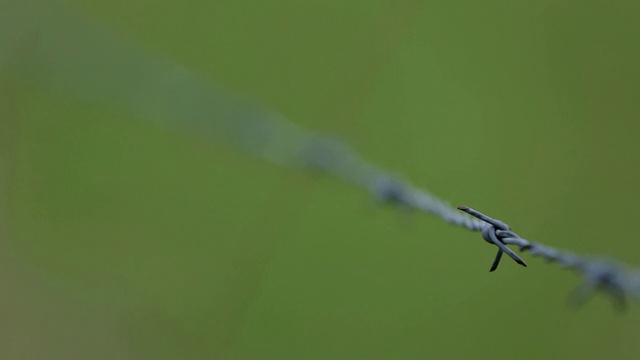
(598, 274)
(331, 156)
(95, 65)
(493, 232)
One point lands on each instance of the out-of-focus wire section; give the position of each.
(73, 57)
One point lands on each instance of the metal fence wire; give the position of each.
(73, 57)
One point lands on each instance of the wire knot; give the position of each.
(495, 232)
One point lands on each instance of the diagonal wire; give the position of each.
(74, 58)
(612, 277)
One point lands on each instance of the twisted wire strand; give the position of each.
(612, 277)
(72, 57)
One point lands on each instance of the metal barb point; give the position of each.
(490, 236)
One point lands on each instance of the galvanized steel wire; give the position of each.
(74, 58)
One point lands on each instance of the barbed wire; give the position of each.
(599, 274)
(95, 65)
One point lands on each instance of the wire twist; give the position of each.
(326, 154)
(598, 274)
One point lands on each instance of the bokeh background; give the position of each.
(125, 240)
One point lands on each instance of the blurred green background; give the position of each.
(124, 240)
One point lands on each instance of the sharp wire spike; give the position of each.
(496, 261)
(599, 275)
(490, 234)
